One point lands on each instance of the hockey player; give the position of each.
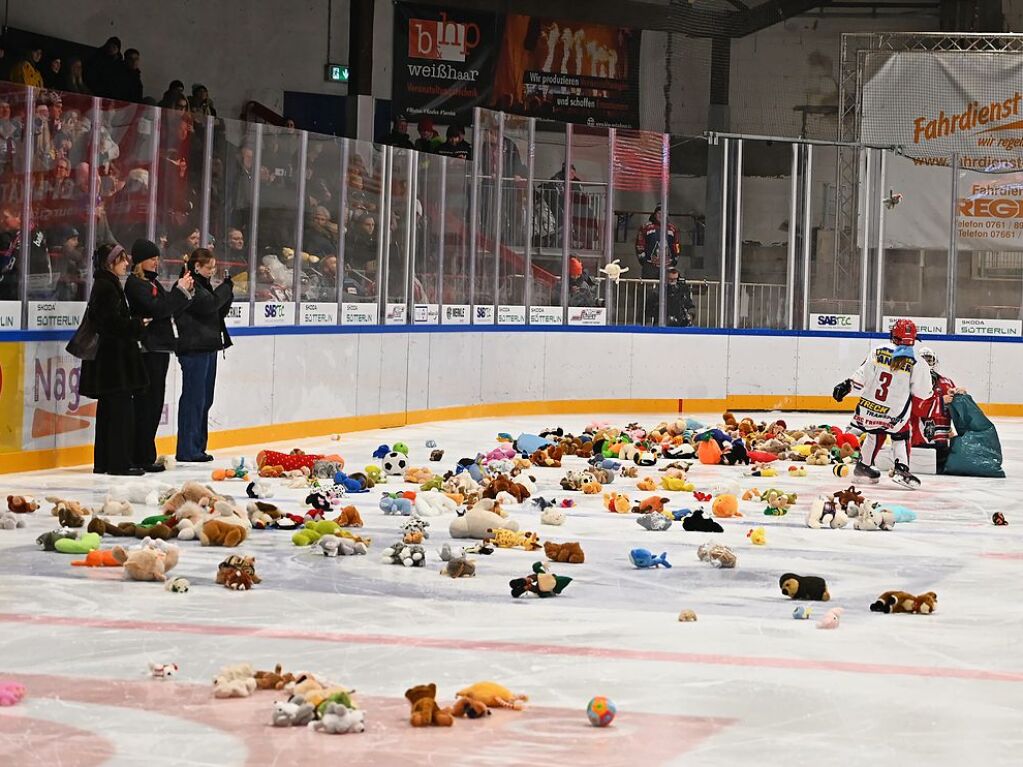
(888, 381)
(932, 423)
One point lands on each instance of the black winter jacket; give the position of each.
(149, 298)
(201, 325)
(118, 367)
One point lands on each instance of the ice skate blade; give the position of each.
(903, 482)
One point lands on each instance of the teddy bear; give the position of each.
(541, 582)
(236, 687)
(825, 512)
(872, 516)
(617, 503)
(190, 491)
(570, 552)
(247, 564)
(21, 504)
(425, 711)
(272, 680)
(717, 555)
(478, 521)
(69, 513)
(903, 602)
(409, 555)
(697, 522)
(10, 521)
(151, 562)
(492, 695)
(651, 503)
(778, 502)
(458, 566)
(220, 532)
(503, 484)
(434, 503)
(338, 719)
(552, 515)
(850, 495)
(292, 713)
(809, 587)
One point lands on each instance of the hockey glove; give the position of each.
(841, 391)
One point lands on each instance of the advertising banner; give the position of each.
(835, 322)
(10, 397)
(447, 61)
(935, 104)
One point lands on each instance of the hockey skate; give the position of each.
(866, 473)
(900, 476)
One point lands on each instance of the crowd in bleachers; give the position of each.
(429, 139)
(96, 173)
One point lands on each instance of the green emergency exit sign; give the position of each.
(336, 73)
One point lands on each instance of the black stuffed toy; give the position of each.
(697, 523)
(804, 587)
(735, 453)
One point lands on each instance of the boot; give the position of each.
(866, 473)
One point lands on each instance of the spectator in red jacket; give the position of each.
(648, 246)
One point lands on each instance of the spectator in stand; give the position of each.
(174, 91)
(26, 70)
(582, 290)
(104, 74)
(10, 253)
(74, 77)
(127, 209)
(235, 253)
(148, 298)
(71, 282)
(679, 300)
(361, 242)
(133, 90)
(648, 246)
(201, 104)
(398, 137)
(456, 145)
(11, 130)
(239, 189)
(183, 248)
(118, 372)
(320, 237)
(53, 75)
(202, 333)
(429, 139)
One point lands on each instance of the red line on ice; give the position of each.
(461, 645)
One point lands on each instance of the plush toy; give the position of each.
(425, 711)
(808, 587)
(68, 512)
(220, 532)
(393, 506)
(10, 692)
(349, 517)
(998, 519)
(873, 516)
(296, 460)
(294, 712)
(510, 539)
(415, 529)
(687, 616)
(717, 555)
(825, 512)
(434, 503)
(903, 602)
(848, 496)
(493, 695)
(552, 515)
(802, 613)
(238, 470)
(642, 559)
(757, 536)
(541, 582)
(247, 564)
(409, 555)
(709, 452)
(20, 504)
(151, 562)
(82, 545)
(697, 522)
(654, 521)
(831, 619)
(10, 521)
(480, 520)
(338, 719)
(235, 682)
(675, 484)
(48, 541)
(177, 585)
(617, 502)
(725, 506)
(778, 503)
(99, 558)
(163, 671)
(571, 552)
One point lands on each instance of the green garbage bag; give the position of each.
(975, 450)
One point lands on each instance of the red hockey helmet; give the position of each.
(903, 332)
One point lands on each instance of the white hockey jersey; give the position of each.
(886, 391)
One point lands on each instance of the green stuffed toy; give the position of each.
(313, 531)
(83, 545)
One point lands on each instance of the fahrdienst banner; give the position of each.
(447, 61)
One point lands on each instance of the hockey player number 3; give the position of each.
(881, 394)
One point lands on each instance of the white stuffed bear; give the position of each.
(338, 719)
(825, 512)
(872, 516)
(552, 515)
(478, 521)
(433, 503)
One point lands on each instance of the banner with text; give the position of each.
(934, 104)
(447, 61)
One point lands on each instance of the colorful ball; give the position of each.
(841, 470)
(601, 711)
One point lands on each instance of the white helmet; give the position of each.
(928, 356)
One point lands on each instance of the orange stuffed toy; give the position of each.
(98, 558)
(709, 452)
(349, 517)
(726, 505)
(425, 711)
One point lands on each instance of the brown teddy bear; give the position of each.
(570, 552)
(236, 562)
(904, 602)
(217, 532)
(502, 484)
(470, 708)
(425, 711)
(147, 564)
(349, 517)
(69, 513)
(194, 492)
(549, 457)
(273, 680)
(20, 504)
(850, 495)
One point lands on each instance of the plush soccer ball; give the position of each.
(394, 463)
(601, 711)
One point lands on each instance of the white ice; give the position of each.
(945, 689)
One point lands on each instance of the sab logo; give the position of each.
(273, 311)
(833, 320)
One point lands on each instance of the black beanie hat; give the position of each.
(143, 250)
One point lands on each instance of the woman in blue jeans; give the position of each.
(201, 334)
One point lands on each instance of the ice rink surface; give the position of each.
(744, 685)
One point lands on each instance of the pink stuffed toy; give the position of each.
(504, 451)
(831, 620)
(11, 693)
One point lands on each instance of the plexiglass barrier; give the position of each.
(541, 223)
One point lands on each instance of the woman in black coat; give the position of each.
(118, 371)
(147, 297)
(201, 334)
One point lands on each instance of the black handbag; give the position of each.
(85, 342)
